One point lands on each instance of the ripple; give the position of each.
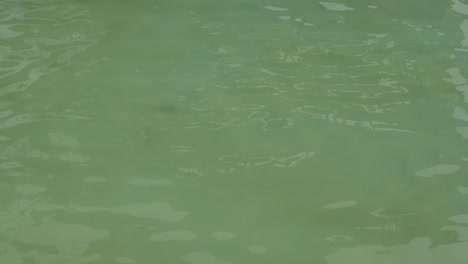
(441, 169)
(223, 235)
(335, 6)
(29, 189)
(149, 182)
(246, 161)
(460, 219)
(155, 211)
(339, 205)
(257, 249)
(62, 139)
(29, 118)
(22, 148)
(275, 8)
(56, 233)
(202, 258)
(178, 235)
(11, 165)
(73, 157)
(462, 189)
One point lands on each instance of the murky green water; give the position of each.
(214, 132)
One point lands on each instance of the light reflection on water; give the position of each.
(238, 132)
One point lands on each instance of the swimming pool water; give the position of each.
(215, 132)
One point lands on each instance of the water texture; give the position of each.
(223, 132)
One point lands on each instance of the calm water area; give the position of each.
(233, 132)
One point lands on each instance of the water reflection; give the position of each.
(418, 250)
(234, 132)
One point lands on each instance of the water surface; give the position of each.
(214, 132)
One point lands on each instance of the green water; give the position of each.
(215, 132)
